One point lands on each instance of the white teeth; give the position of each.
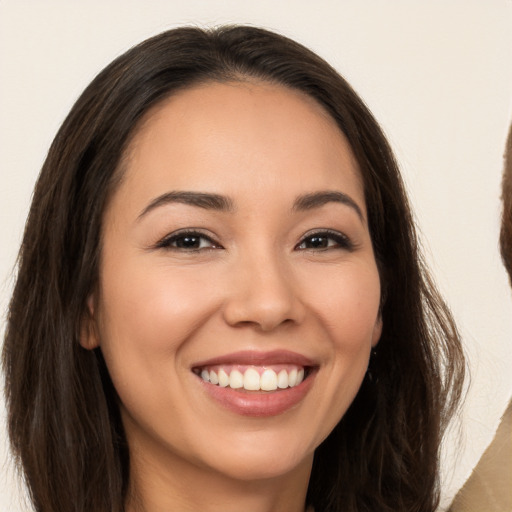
(268, 380)
(214, 379)
(223, 379)
(251, 380)
(236, 380)
(282, 379)
(292, 378)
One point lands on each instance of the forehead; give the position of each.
(220, 137)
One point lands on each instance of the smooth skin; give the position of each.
(181, 283)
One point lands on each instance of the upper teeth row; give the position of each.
(251, 379)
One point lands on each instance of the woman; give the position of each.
(218, 240)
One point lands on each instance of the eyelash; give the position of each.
(341, 241)
(167, 242)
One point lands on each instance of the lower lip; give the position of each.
(259, 403)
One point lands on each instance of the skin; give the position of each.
(256, 283)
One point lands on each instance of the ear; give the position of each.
(377, 331)
(89, 338)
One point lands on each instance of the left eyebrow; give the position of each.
(318, 199)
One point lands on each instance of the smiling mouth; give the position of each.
(257, 384)
(254, 378)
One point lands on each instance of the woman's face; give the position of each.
(238, 296)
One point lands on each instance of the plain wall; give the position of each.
(437, 75)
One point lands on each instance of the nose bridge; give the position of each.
(263, 291)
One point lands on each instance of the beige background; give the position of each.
(437, 75)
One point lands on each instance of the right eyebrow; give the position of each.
(198, 199)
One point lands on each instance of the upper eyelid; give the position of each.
(324, 231)
(183, 232)
(189, 231)
(328, 232)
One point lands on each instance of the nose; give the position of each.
(263, 293)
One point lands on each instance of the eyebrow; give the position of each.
(318, 199)
(225, 204)
(198, 199)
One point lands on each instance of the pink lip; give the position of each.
(250, 357)
(259, 403)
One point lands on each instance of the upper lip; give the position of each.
(257, 358)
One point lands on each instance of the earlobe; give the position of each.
(89, 338)
(377, 331)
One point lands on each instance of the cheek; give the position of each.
(147, 313)
(347, 302)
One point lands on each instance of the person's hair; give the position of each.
(63, 415)
(506, 219)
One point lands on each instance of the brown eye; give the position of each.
(325, 240)
(188, 241)
(316, 242)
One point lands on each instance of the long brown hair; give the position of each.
(63, 415)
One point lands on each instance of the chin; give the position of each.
(259, 457)
(264, 468)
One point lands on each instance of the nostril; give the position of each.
(262, 316)
(262, 295)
